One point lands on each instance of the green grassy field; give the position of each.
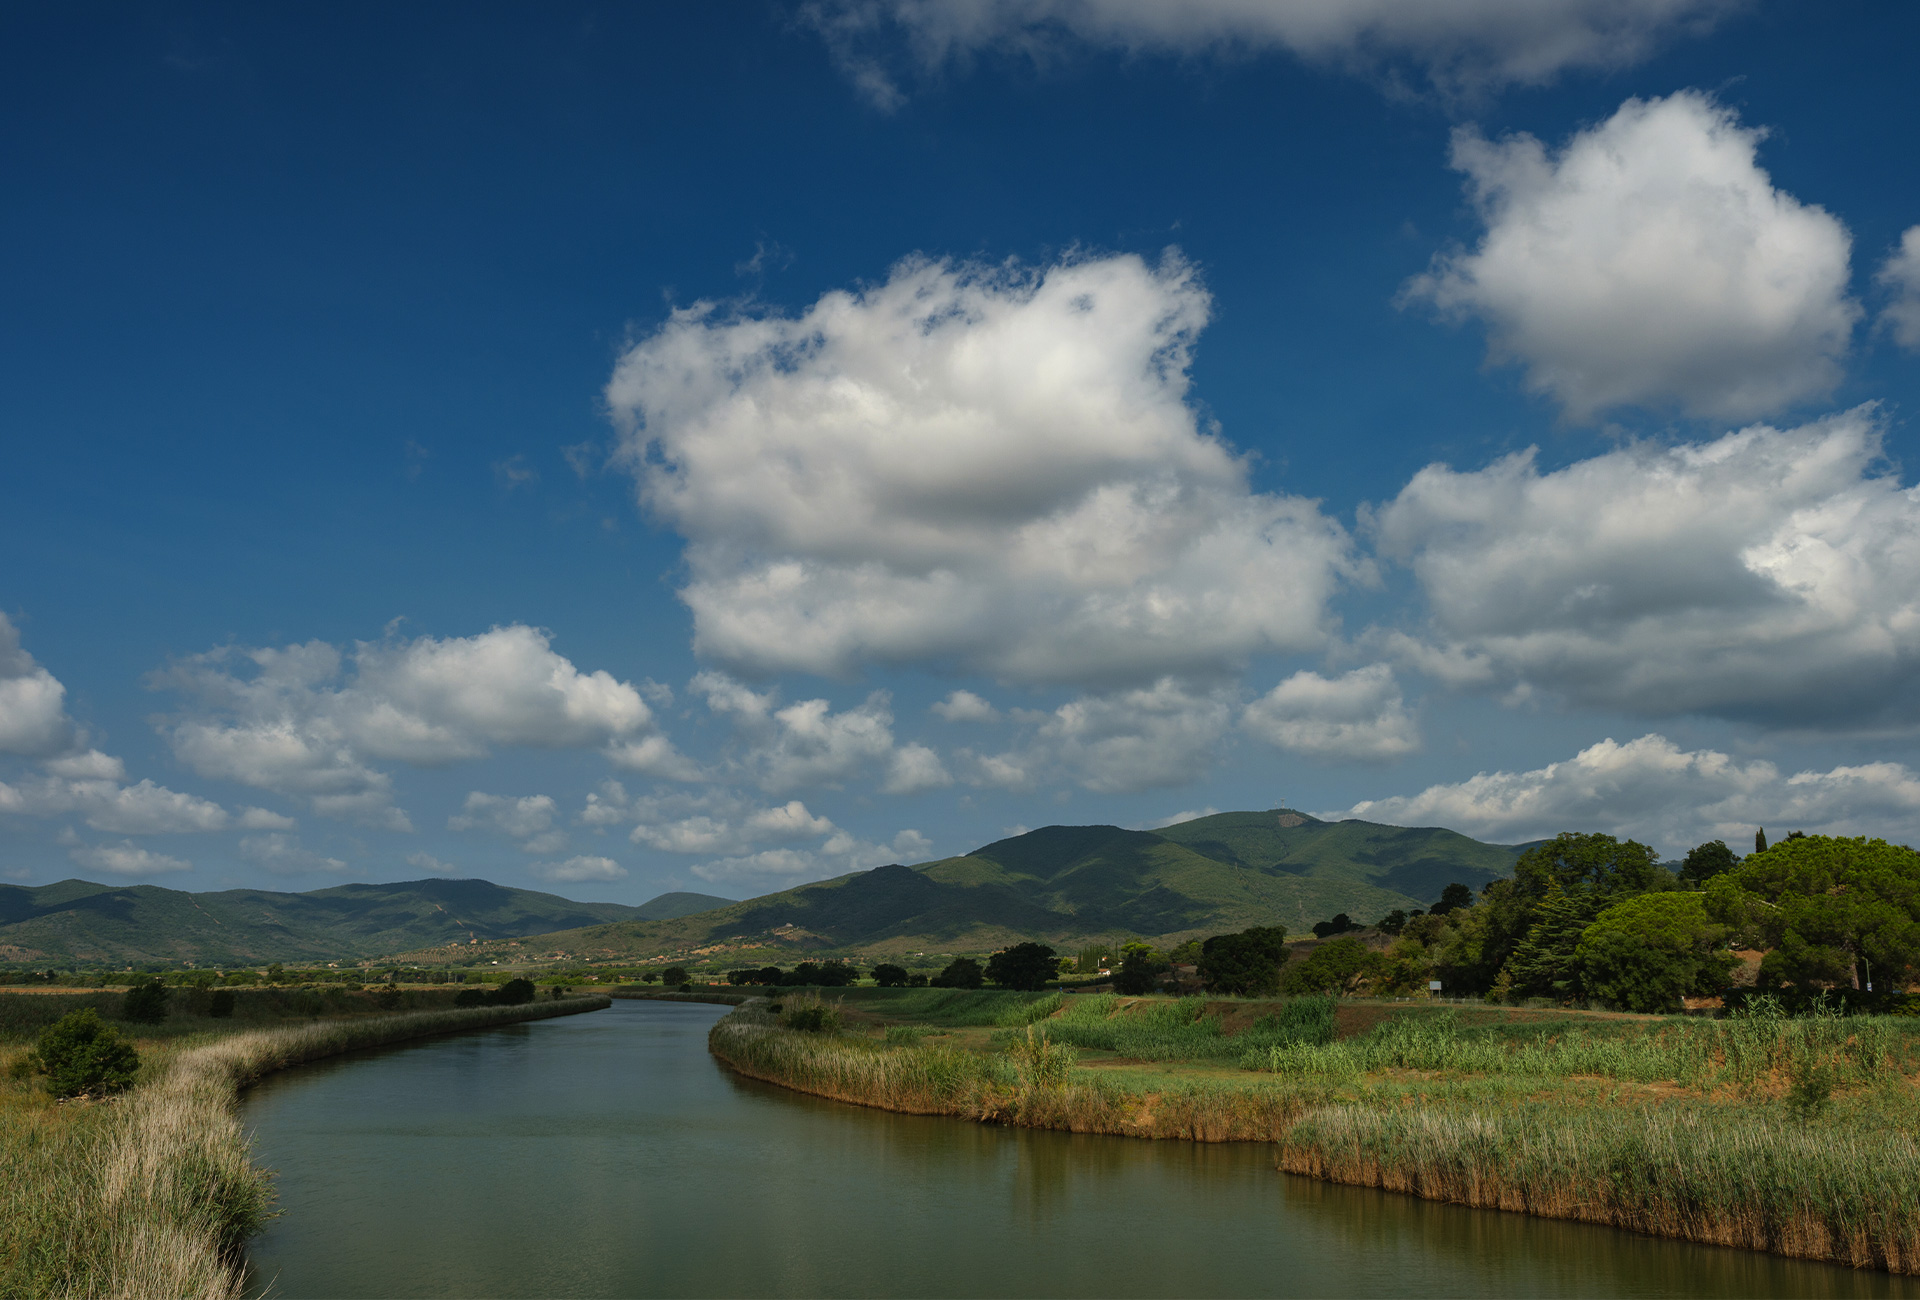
(1787, 1135)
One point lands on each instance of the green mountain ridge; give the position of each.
(1070, 884)
(79, 922)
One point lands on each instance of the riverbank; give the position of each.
(1787, 1136)
(154, 1193)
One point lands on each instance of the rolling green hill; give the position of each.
(77, 922)
(1067, 885)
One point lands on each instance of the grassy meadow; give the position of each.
(152, 1192)
(1791, 1135)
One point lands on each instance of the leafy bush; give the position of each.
(961, 973)
(81, 1054)
(807, 1013)
(1331, 967)
(145, 1003)
(513, 993)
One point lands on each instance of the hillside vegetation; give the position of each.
(76, 922)
(1068, 885)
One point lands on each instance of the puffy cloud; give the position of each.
(527, 820)
(87, 765)
(33, 713)
(1900, 273)
(1462, 46)
(1650, 261)
(263, 819)
(965, 706)
(1770, 574)
(431, 865)
(126, 859)
(106, 805)
(656, 757)
(772, 869)
(1672, 798)
(307, 720)
(914, 770)
(977, 466)
(574, 870)
(284, 856)
(1161, 735)
(803, 744)
(725, 825)
(1359, 715)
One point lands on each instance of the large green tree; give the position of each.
(1026, 966)
(1246, 964)
(1531, 925)
(1832, 911)
(1648, 952)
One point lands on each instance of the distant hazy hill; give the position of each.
(1067, 884)
(78, 922)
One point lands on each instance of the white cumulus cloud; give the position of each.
(801, 744)
(965, 706)
(1459, 46)
(126, 859)
(1770, 574)
(284, 855)
(527, 820)
(309, 720)
(1650, 262)
(1163, 735)
(1900, 274)
(1359, 715)
(33, 711)
(984, 467)
(574, 870)
(431, 865)
(1654, 791)
(773, 869)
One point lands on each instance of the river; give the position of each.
(606, 1154)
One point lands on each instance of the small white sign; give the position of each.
(1434, 985)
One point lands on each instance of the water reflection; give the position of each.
(606, 1154)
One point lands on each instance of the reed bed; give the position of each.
(1183, 1030)
(1729, 1179)
(1552, 1121)
(1743, 1054)
(154, 1194)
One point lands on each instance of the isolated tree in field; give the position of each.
(1705, 861)
(674, 975)
(513, 993)
(1452, 898)
(889, 976)
(1340, 924)
(145, 1003)
(80, 1054)
(1833, 911)
(961, 973)
(1649, 952)
(1246, 964)
(1025, 966)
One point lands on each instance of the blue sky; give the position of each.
(617, 449)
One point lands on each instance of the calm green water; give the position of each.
(607, 1155)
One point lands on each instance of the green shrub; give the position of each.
(806, 1012)
(145, 1003)
(81, 1054)
(513, 993)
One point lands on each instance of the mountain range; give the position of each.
(1064, 885)
(76, 922)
